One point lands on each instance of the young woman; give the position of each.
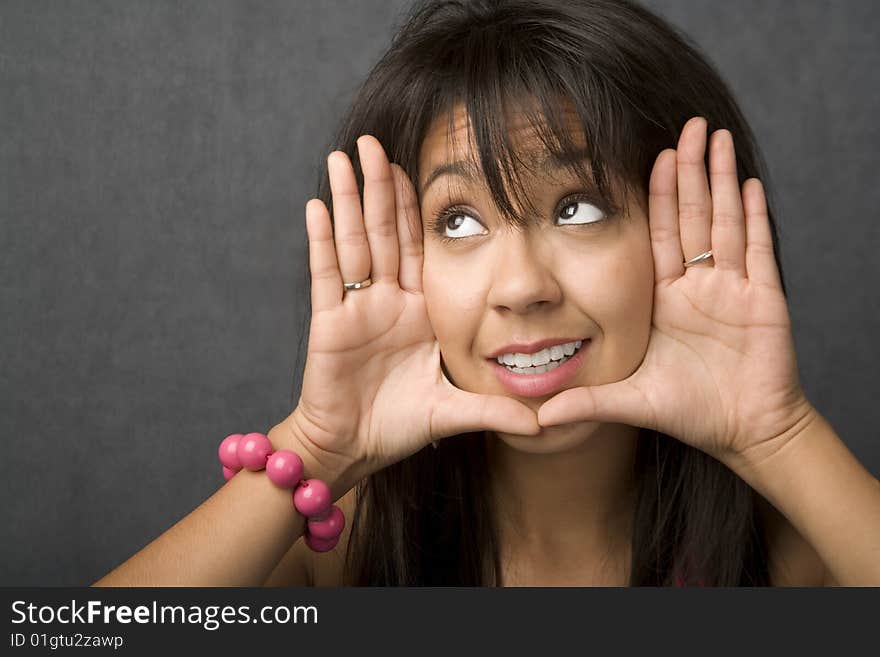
(573, 363)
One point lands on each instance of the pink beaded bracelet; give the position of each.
(311, 497)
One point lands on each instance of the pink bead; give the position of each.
(228, 451)
(319, 544)
(284, 468)
(228, 473)
(253, 450)
(312, 498)
(330, 527)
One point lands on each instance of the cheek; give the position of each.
(626, 300)
(451, 300)
(614, 277)
(454, 308)
(622, 303)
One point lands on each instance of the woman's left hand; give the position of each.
(719, 372)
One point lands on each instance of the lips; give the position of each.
(547, 383)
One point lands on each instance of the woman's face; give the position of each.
(574, 272)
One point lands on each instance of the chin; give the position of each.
(551, 440)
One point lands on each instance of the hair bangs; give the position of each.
(568, 123)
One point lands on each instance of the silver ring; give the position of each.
(357, 286)
(699, 258)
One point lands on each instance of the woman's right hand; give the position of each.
(373, 389)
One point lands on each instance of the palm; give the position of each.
(720, 371)
(380, 369)
(720, 359)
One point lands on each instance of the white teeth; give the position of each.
(537, 370)
(543, 357)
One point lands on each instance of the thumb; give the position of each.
(463, 412)
(620, 402)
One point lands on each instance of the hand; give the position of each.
(720, 372)
(373, 389)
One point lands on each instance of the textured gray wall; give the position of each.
(155, 159)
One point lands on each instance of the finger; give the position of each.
(379, 213)
(760, 259)
(326, 281)
(728, 223)
(463, 412)
(409, 231)
(619, 402)
(352, 248)
(663, 219)
(694, 200)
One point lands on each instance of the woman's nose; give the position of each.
(522, 274)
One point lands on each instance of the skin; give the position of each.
(565, 492)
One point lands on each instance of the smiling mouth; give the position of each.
(531, 381)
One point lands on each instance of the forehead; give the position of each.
(442, 145)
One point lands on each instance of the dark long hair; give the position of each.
(634, 81)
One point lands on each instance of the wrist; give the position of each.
(339, 472)
(765, 456)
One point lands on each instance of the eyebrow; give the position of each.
(465, 170)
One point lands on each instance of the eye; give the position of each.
(581, 210)
(451, 224)
(447, 224)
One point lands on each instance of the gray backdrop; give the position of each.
(155, 160)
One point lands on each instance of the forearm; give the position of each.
(828, 496)
(234, 538)
(237, 536)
